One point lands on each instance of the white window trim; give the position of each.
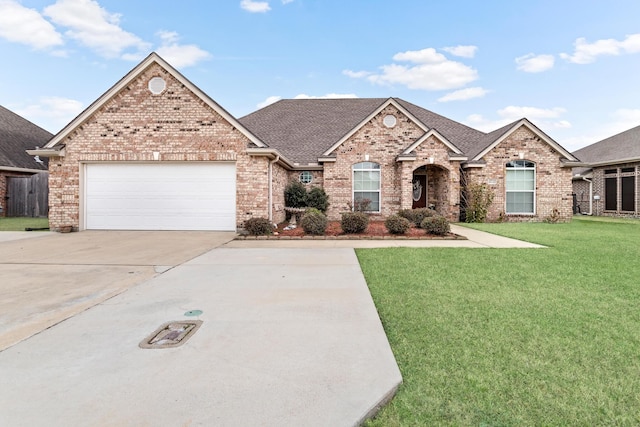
(535, 195)
(353, 190)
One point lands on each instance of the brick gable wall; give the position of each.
(134, 124)
(553, 182)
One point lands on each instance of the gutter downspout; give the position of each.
(271, 162)
(590, 195)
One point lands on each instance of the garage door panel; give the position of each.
(186, 196)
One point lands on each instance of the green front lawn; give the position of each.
(506, 337)
(19, 224)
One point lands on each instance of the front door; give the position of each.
(419, 191)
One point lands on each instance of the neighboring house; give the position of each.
(155, 152)
(17, 167)
(609, 183)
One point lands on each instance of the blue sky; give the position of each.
(571, 67)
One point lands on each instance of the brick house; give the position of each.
(155, 152)
(608, 183)
(18, 134)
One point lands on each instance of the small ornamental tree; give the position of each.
(317, 198)
(295, 195)
(479, 198)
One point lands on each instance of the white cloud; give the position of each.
(464, 94)
(424, 56)
(96, 28)
(532, 113)
(255, 6)
(287, 1)
(178, 55)
(433, 71)
(586, 53)
(52, 112)
(463, 51)
(548, 118)
(532, 63)
(356, 74)
(327, 96)
(23, 25)
(270, 100)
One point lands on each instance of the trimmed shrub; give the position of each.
(317, 198)
(354, 222)
(416, 216)
(437, 225)
(258, 226)
(397, 225)
(360, 205)
(314, 222)
(295, 195)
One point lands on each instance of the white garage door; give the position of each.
(174, 196)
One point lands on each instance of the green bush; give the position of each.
(295, 195)
(416, 216)
(397, 225)
(354, 222)
(314, 222)
(437, 225)
(478, 199)
(258, 226)
(317, 198)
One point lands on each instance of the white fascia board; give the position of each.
(42, 152)
(534, 129)
(375, 112)
(271, 153)
(27, 170)
(132, 75)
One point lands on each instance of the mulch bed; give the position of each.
(375, 230)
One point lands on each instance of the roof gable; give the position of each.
(496, 137)
(17, 135)
(438, 135)
(153, 58)
(369, 117)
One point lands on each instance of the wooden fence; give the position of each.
(28, 196)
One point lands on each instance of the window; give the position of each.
(305, 177)
(521, 187)
(611, 192)
(620, 189)
(366, 184)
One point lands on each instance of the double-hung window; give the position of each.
(521, 187)
(366, 185)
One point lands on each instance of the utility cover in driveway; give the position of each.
(160, 196)
(171, 334)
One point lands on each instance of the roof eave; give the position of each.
(47, 152)
(27, 170)
(525, 122)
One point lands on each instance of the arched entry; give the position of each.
(430, 188)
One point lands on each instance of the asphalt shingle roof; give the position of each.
(18, 134)
(303, 129)
(625, 145)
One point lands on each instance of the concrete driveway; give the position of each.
(49, 277)
(288, 336)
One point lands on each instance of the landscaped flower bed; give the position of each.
(375, 230)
